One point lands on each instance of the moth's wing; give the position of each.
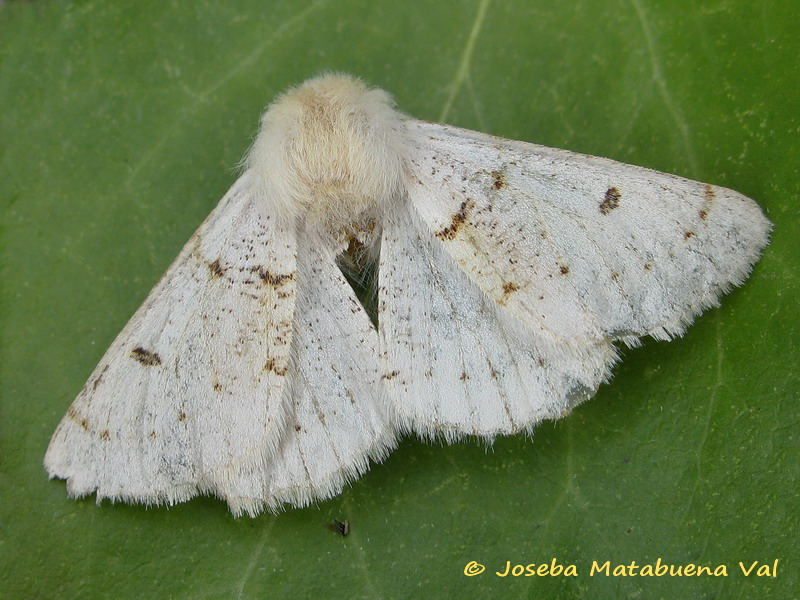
(578, 247)
(510, 269)
(189, 397)
(455, 361)
(339, 414)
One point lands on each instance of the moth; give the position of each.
(506, 273)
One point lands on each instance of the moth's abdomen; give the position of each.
(329, 151)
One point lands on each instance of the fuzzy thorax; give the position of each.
(329, 152)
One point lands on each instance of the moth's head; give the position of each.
(329, 150)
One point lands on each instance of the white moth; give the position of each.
(505, 273)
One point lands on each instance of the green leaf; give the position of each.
(120, 128)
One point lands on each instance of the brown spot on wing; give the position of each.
(146, 357)
(84, 424)
(493, 373)
(563, 269)
(457, 220)
(709, 197)
(509, 287)
(272, 279)
(391, 375)
(498, 180)
(216, 269)
(610, 201)
(99, 378)
(182, 416)
(82, 421)
(688, 234)
(272, 365)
